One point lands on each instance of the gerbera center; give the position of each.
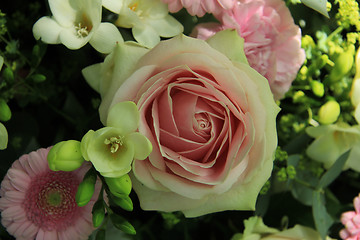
(114, 142)
(54, 198)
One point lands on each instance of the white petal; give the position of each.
(166, 27)
(69, 38)
(92, 75)
(146, 36)
(112, 5)
(63, 12)
(105, 38)
(48, 30)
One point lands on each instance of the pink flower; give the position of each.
(272, 42)
(351, 220)
(211, 122)
(37, 203)
(200, 7)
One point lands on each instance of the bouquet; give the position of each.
(175, 119)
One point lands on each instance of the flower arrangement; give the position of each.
(175, 119)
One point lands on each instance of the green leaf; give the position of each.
(297, 144)
(317, 5)
(334, 171)
(323, 220)
(100, 235)
(230, 44)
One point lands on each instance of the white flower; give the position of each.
(333, 140)
(149, 19)
(75, 23)
(355, 88)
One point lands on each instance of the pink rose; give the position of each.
(200, 7)
(211, 122)
(272, 40)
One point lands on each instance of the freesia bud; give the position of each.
(65, 156)
(98, 213)
(343, 64)
(121, 223)
(8, 75)
(119, 186)
(329, 112)
(3, 137)
(317, 88)
(86, 188)
(124, 202)
(5, 112)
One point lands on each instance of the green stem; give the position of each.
(338, 30)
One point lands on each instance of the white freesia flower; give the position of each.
(149, 19)
(333, 140)
(75, 23)
(355, 88)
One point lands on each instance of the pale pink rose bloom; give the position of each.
(37, 203)
(200, 7)
(272, 40)
(211, 123)
(351, 220)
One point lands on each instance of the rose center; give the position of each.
(114, 142)
(201, 124)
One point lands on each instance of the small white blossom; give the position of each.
(149, 19)
(75, 23)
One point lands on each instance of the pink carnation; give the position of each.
(351, 221)
(272, 40)
(200, 7)
(37, 203)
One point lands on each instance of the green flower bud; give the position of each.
(38, 78)
(124, 202)
(317, 88)
(281, 175)
(86, 188)
(65, 156)
(121, 223)
(119, 186)
(329, 112)
(3, 137)
(291, 171)
(98, 213)
(5, 112)
(322, 61)
(343, 64)
(1, 61)
(8, 75)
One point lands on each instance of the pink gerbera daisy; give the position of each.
(37, 203)
(351, 220)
